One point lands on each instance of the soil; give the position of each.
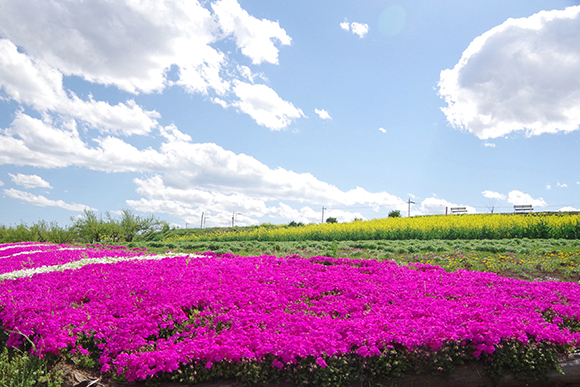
(464, 376)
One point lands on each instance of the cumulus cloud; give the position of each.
(34, 83)
(518, 76)
(29, 181)
(383, 130)
(519, 198)
(493, 195)
(91, 40)
(323, 114)
(42, 201)
(568, 208)
(360, 29)
(135, 47)
(254, 37)
(186, 174)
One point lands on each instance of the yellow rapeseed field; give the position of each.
(477, 226)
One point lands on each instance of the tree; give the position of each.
(132, 224)
(93, 228)
(89, 227)
(395, 214)
(491, 204)
(331, 220)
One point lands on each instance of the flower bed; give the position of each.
(21, 256)
(141, 318)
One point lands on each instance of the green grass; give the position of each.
(20, 369)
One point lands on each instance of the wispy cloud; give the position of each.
(42, 201)
(29, 181)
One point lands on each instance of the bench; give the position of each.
(458, 210)
(519, 209)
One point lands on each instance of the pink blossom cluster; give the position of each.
(151, 316)
(21, 256)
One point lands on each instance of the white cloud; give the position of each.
(123, 43)
(265, 106)
(382, 130)
(41, 201)
(34, 83)
(253, 36)
(519, 198)
(186, 174)
(489, 144)
(323, 114)
(493, 195)
(548, 186)
(518, 76)
(568, 208)
(1, 183)
(434, 206)
(135, 46)
(564, 185)
(360, 29)
(29, 181)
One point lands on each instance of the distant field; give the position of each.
(477, 226)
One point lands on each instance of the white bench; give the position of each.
(523, 208)
(458, 210)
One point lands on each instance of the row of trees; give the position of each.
(90, 228)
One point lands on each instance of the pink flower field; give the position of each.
(144, 316)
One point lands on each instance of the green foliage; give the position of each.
(40, 231)
(21, 369)
(132, 224)
(94, 228)
(18, 369)
(530, 361)
(331, 220)
(395, 214)
(526, 362)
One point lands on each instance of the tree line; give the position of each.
(90, 228)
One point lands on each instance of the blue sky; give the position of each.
(273, 110)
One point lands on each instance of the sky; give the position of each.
(277, 111)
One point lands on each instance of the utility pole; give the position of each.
(323, 208)
(409, 202)
(234, 218)
(201, 225)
